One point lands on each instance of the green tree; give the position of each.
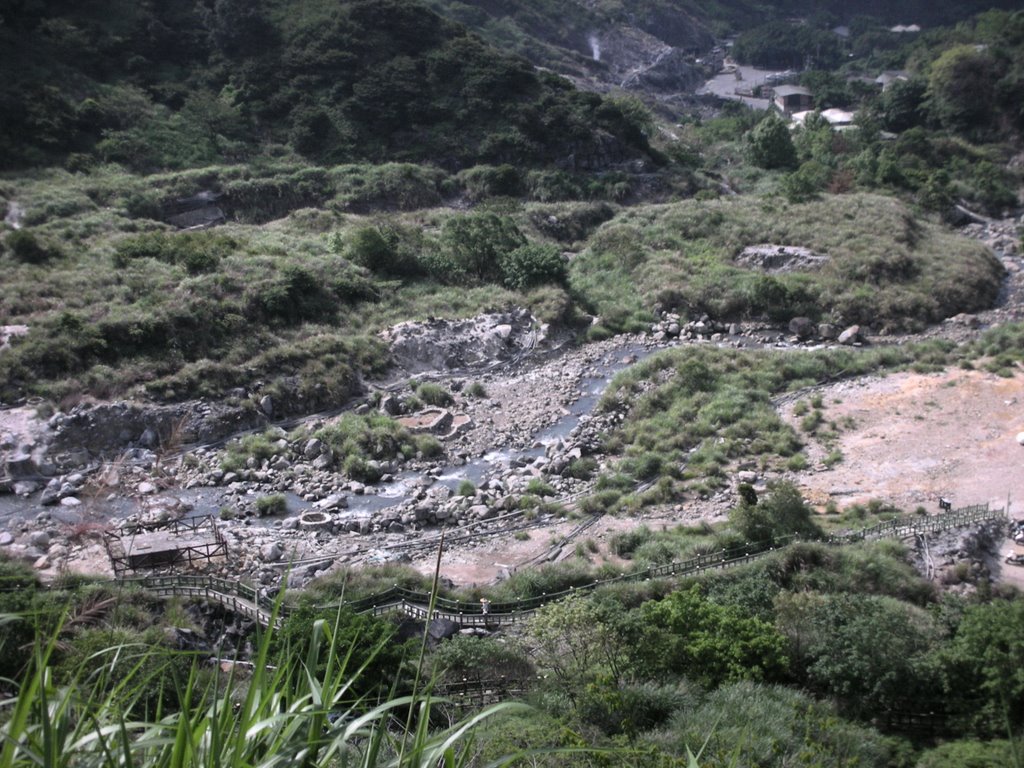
(238, 28)
(781, 513)
(872, 653)
(805, 182)
(690, 636)
(902, 104)
(961, 87)
(533, 264)
(366, 642)
(580, 642)
(477, 243)
(937, 192)
(986, 659)
(770, 145)
(780, 44)
(829, 89)
(482, 658)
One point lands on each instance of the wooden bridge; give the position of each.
(260, 607)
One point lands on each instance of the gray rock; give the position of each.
(70, 501)
(40, 539)
(6, 538)
(149, 438)
(391, 405)
(25, 487)
(850, 336)
(20, 465)
(312, 448)
(827, 331)
(267, 405)
(332, 502)
(51, 493)
(272, 552)
(802, 327)
(483, 512)
(146, 488)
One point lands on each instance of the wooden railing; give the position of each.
(261, 607)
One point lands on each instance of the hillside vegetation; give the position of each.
(884, 267)
(180, 84)
(118, 303)
(365, 163)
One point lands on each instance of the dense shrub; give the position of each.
(476, 244)
(28, 248)
(195, 251)
(781, 45)
(779, 515)
(484, 181)
(531, 265)
(360, 442)
(434, 394)
(770, 144)
(267, 506)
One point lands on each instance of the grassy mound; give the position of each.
(886, 267)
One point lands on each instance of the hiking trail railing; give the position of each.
(260, 606)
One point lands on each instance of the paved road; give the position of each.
(724, 85)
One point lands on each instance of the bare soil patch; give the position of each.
(908, 439)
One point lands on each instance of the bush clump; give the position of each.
(257, 447)
(268, 506)
(197, 252)
(28, 248)
(359, 443)
(531, 265)
(434, 394)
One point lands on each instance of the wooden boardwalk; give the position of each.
(247, 601)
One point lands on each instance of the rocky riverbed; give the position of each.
(521, 417)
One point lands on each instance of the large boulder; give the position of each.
(850, 336)
(802, 327)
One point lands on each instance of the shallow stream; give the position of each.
(15, 511)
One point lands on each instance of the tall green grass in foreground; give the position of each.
(302, 712)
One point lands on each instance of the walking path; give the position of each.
(246, 601)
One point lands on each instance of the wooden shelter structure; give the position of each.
(158, 545)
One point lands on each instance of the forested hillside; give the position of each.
(562, 34)
(181, 84)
